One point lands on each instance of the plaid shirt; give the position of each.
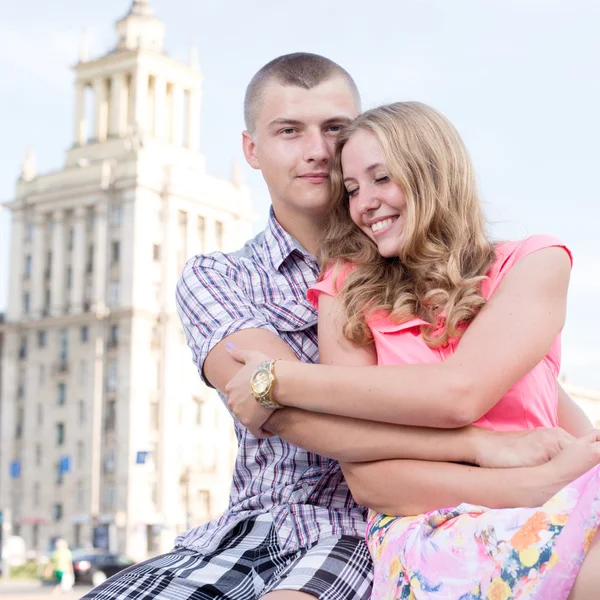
(264, 285)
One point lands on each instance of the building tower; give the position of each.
(107, 434)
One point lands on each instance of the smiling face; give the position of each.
(293, 143)
(377, 204)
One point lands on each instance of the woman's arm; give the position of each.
(510, 335)
(570, 416)
(412, 487)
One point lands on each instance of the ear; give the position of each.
(249, 147)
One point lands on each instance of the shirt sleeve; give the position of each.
(507, 255)
(212, 305)
(330, 283)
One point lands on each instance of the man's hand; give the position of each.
(240, 400)
(528, 448)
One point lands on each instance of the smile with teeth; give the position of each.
(381, 225)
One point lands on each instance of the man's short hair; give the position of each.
(300, 69)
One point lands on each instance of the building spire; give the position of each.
(139, 29)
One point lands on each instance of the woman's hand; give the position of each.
(575, 460)
(527, 448)
(240, 400)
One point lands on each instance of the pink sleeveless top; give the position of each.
(530, 403)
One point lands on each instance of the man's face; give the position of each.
(294, 140)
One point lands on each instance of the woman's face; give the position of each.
(377, 204)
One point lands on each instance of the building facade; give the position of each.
(107, 434)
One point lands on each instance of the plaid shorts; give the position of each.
(246, 567)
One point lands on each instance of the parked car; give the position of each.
(95, 567)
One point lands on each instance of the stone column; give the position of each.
(127, 254)
(15, 291)
(100, 258)
(118, 106)
(57, 289)
(193, 120)
(37, 265)
(160, 113)
(176, 133)
(210, 235)
(101, 109)
(192, 236)
(80, 124)
(78, 263)
(140, 97)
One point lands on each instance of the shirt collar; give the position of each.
(279, 244)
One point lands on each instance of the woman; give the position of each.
(466, 331)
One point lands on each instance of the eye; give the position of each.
(288, 131)
(382, 179)
(334, 128)
(351, 192)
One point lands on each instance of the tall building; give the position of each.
(107, 434)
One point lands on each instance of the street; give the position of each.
(33, 590)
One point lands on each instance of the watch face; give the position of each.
(261, 382)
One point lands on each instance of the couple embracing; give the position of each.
(431, 453)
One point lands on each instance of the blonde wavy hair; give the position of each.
(445, 252)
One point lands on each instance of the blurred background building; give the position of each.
(107, 435)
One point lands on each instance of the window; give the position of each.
(61, 393)
(116, 215)
(47, 301)
(40, 415)
(38, 455)
(114, 292)
(155, 252)
(36, 494)
(28, 266)
(111, 416)
(115, 252)
(42, 375)
(63, 344)
(90, 218)
(69, 278)
(111, 374)
(42, 338)
(60, 434)
(23, 348)
(109, 462)
(84, 334)
(109, 496)
(59, 476)
(71, 241)
(28, 232)
(79, 494)
(58, 512)
(48, 271)
(90, 260)
(80, 454)
(26, 302)
(81, 412)
(114, 335)
(83, 372)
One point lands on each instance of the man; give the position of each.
(292, 530)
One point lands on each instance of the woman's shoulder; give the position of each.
(330, 282)
(510, 253)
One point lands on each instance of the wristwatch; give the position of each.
(262, 383)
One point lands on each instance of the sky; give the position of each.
(518, 78)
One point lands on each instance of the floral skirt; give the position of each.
(475, 553)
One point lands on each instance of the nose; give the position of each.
(317, 148)
(367, 201)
